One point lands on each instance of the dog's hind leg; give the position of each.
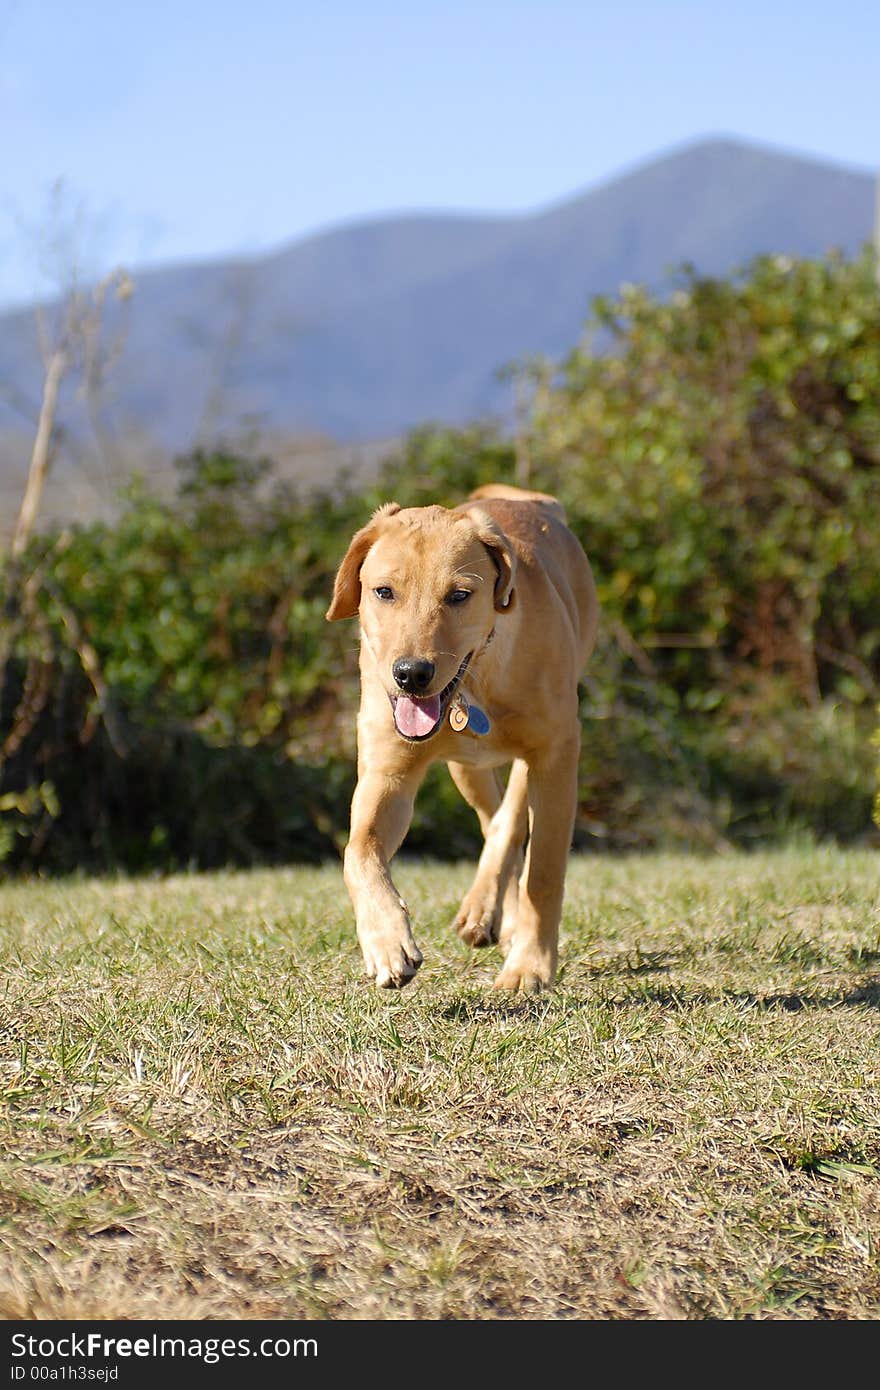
(488, 909)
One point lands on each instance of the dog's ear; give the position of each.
(347, 588)
(503, 558)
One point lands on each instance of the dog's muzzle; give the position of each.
(417, 718)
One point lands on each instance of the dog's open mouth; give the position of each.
(417, 718)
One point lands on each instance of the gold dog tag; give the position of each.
(458, 715)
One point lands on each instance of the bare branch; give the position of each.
(40, 455)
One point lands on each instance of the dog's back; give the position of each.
(507, 492)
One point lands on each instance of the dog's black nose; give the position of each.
(413, 676)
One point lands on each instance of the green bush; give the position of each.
(171, 693)
(721, 463)
(175, 695)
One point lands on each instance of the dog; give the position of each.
(476, 624)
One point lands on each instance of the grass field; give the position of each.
(208, 1113)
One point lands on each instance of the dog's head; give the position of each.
(428, 584)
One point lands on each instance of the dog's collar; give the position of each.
(464, 713)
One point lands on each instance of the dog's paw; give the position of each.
(520, 981)
(526, 972)
(478, 919)
(391, 964)
(478, 928)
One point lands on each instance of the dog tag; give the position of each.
(459, 715)
(464, 716)
(478, 720)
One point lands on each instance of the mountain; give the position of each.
(365, 330)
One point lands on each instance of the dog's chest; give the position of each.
(479, 750)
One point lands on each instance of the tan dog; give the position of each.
(476, 624)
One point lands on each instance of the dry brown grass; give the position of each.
(207, 1114)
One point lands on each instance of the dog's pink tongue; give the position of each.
(415, 718)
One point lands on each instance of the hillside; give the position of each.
(365, 330)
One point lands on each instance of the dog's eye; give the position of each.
(458, 596)
(384, 593)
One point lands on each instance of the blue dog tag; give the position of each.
(478, 720)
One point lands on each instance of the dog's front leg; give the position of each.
(552, 791)
(380, 815)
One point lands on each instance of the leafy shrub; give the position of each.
(171, 693)
(176, 696)
(721, 463)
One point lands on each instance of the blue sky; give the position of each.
(184, 130)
